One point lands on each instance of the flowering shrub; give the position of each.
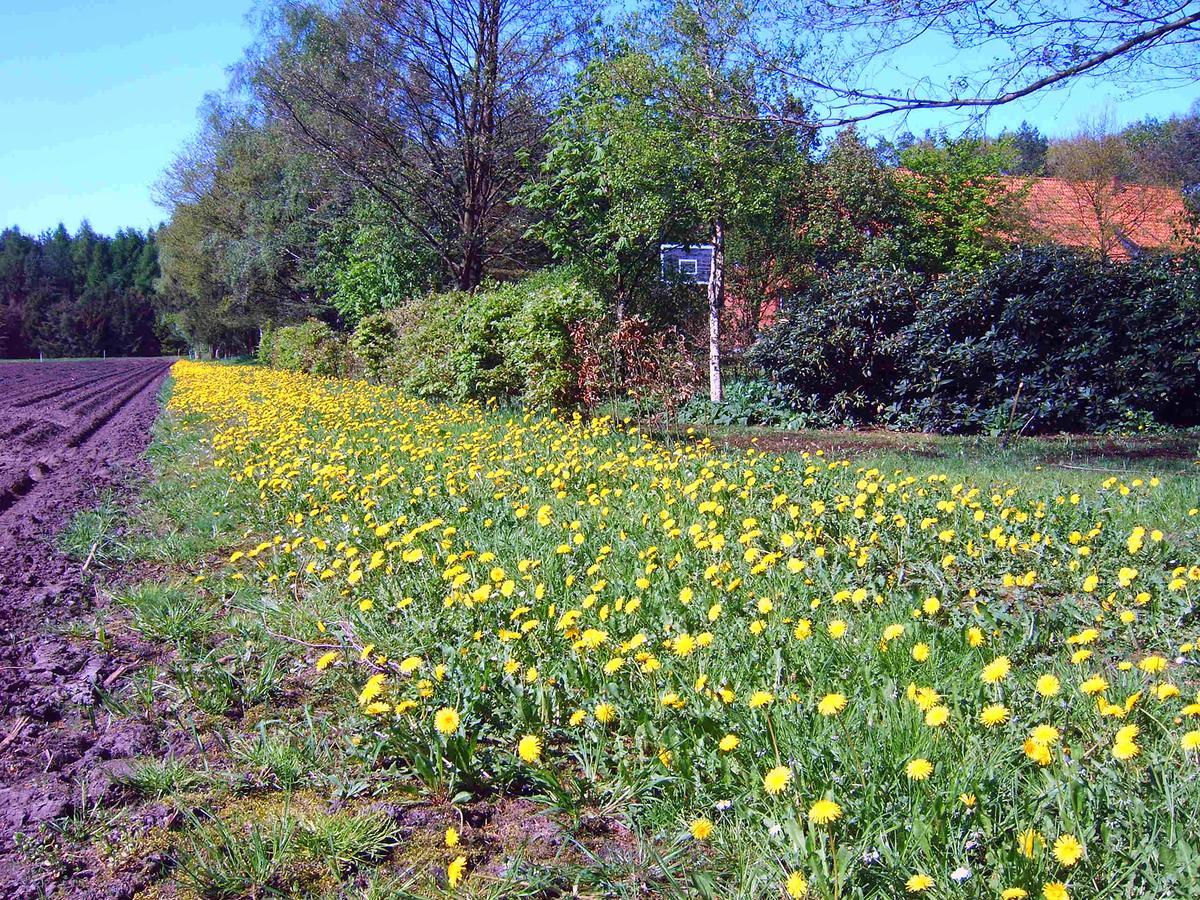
(812, 678)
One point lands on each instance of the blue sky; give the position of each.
(97, 97)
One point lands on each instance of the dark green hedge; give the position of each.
(1089, 345)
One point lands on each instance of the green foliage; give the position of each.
(167, 613)
(961, 214)
(374, 344)
(370, 262)
(840, 348)
(248, 207)
(538, 339)
(311, 346)
(748, 402)
(857, 210)
(78, 295)
(631, 162)
(600, 211)
(1044, 340)
(346, 841)
(1030, 147)
(274, 760)
(510, 340)
(265, 336)
(1085, 342)
(158, 778)
(432, 358)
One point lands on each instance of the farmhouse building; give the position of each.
(1120, 221)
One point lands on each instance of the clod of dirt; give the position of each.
(37, 799)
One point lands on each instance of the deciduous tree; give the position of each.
(437, 107)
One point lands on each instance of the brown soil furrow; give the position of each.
(30, 471)
(37, 391)
(27, 431)
(81, 400)
(81, 433)
(54, 462)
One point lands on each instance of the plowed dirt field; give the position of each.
(69, 431)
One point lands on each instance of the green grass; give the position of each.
(159, 778)
(167, 613)
(307, 772)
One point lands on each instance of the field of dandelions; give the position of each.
(803, 676)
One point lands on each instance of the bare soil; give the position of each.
(69, 432)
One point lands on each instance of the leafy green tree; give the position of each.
(857, 208)
(368, 262)
(663, 142)
(247, 210)
(81, 295)
(1030, 147)
(599, 209)
(1168, 149)
(963, 215)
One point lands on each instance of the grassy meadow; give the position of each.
(463, 651)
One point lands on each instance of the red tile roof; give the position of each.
(1116, 219)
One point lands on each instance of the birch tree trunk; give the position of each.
(716, 300)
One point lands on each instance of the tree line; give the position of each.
(367, 152)
(78, 295)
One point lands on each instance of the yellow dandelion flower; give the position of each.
(937, 717)
(372, 689)
(777, 779)
(832, 704)
(918, 769)
(918, 883)
(454, 871)
(529, 748)
(996, 671)
(1048, 685)
(1044, 734)
(701, 828)
(823, 812)
(446, 720)
(994, 714)
(1067, 849)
